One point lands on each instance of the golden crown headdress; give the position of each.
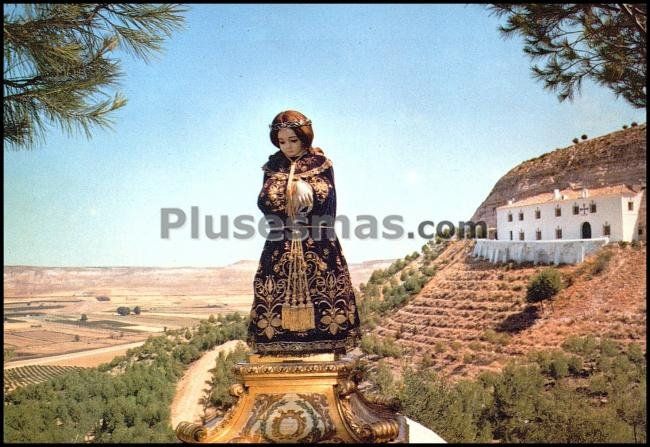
(290, 124)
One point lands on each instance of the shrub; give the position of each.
(624, 126)
(584, 346)
(598, 384)
(368, 344)
(559, 366)
(635, 354)
(455, 345)
(429, 271)
(575, 364)
(575, 141)
(608, 347)
(412, 285)
(123, 310)
(544, 286)
(602, 259)
(583, 136)
(634, 124)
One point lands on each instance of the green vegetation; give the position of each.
(494, 337)
(223, 378)
(25, 375)
(591, 267)
(123, 310)
(544, 286)
(9, 353)
(384, 292)
(371, 344)
(605, 43)
(59, 68)
(126, 400)
(98, 324)
(590, 391)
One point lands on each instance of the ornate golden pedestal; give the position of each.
(299, 400)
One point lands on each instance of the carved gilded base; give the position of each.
(308, 399)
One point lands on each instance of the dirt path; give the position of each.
(186, 406)
(90, 358)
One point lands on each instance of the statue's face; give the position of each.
(289, 142)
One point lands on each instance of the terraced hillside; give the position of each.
(472, 315)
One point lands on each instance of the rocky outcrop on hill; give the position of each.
(615, 158)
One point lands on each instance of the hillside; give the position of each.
(618, 157)
(472, 315)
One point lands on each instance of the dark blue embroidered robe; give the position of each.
(336, 316)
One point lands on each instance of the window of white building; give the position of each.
(521, 235)
(558, 211)
(592, 207)
(509, 217)
(576, 209)
(558, 233)
(510, 234)
(538, 234)
(521, 215)
(630, 206)
(538, 213)
(606, 229)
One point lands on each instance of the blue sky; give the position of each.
(421, 108)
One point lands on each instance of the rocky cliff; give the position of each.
(618, 157)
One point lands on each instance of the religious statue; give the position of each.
(296, 387)
(303, 297)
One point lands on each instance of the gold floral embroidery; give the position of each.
(335, 306)
(275, 189)
(266, 311)
(320, 186)
(332, 295)
(276, 184)
(331, 290)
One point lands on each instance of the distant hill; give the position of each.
(614, 158)
(235, 279)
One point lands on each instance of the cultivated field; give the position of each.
(43, 305)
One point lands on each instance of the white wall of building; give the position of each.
(631, 217)
(539, 252)
(609, 209)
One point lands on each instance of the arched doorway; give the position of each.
(586, 230)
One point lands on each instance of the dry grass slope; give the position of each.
(473, 316)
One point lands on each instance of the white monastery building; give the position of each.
(564, 226)
(611, 211)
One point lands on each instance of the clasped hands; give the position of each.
(300, 195)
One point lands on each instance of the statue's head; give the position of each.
(293, 125)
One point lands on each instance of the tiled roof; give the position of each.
(572, 194)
